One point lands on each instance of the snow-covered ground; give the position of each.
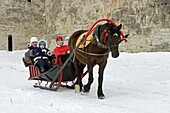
(133, 83)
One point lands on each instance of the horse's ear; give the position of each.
(119, 27)
(127, 35)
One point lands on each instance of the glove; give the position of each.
(29, 46)
(49, 53)
(44, 50)
(68, 51)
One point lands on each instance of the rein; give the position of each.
(93, 54)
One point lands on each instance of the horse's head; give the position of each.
(110, 36)
(113, 39)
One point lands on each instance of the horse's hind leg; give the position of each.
(86, 88)
(79, 72)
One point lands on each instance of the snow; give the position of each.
(133, 83)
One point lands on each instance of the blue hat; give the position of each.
(42, 43)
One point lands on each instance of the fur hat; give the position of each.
(33, 39)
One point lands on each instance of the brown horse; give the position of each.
(106, 38)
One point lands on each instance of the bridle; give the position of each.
(105, 44)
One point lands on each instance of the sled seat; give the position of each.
(34, 71)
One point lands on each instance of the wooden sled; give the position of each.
(67, 75)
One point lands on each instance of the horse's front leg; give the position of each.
(100, 93)
(86, 87)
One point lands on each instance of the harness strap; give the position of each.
(100, 45)
(61, 75)
(93, 54)
(106, 35)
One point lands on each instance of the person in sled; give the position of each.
(42, 57)
(60, 48)
(32, 48)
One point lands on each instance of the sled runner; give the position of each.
(67, 74)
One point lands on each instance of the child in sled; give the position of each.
(43, 57)
(60, 48)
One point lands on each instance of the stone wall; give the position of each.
(147, 21)
(21, 19)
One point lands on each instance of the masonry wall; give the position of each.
(147, 21)
(21, 19)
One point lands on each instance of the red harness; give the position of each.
(106, 32)
(105, 36)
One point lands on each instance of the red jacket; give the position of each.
(59, 51)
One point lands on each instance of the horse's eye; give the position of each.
(115, 35)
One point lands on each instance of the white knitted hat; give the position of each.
(33, 39)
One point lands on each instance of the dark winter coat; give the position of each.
(28, 59)
(42, 53)
(33, 51)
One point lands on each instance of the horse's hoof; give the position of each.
(84, 92)
(101, 97)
